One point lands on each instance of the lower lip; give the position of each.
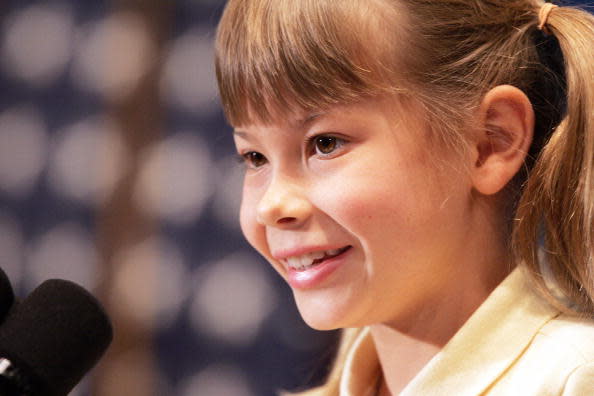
(315, 275)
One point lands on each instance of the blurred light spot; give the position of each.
(189, 79)
(227, 199)
(217, 380)
(23, 149)
(150, 283)
(37, 43)
(11, 250)
(114, 55)
(65, 252)
(233, 297)
(132, 370)
(88, 160)
(175, 179)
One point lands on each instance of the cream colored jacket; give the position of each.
(514, 344)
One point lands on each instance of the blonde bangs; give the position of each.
(275, 58)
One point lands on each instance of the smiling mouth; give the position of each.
(309, 260)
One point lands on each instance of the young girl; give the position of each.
(421, 174)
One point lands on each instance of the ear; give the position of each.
(506, 126)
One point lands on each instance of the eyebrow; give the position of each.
(309, 118)
(298, 124)
(241, 134)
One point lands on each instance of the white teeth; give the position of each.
(315, 255)
(305, 261)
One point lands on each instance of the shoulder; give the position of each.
(558, 360)
(568, 336)
(563, 352)
(580, 381)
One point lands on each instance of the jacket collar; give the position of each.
(479, 353)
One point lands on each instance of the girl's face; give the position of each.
(356, 212)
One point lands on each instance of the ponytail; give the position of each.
(556, 210)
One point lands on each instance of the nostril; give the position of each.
(286, 220)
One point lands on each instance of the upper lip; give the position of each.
(283, 254)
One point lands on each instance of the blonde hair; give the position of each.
(304, 55)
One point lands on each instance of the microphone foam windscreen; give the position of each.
(58, 332)
(6, 295)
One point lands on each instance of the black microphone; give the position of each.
(51, 340)
(6, 295)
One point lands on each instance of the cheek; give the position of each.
(252, 230)
(393, 203)
(246, 222)
(358, 196)
(373, 212)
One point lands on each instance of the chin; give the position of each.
(321, 325)
(322, 314)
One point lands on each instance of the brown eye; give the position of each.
(325, 144)
(254, 159)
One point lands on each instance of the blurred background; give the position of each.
(117, 172)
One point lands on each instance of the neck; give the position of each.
(401, 358)
(406, 344)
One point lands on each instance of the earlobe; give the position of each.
(506, 126)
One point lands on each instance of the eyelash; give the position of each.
(311, 148)
(311, 144)
(244, 159)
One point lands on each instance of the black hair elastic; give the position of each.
(548, 92)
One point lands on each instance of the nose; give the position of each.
(284, 204)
